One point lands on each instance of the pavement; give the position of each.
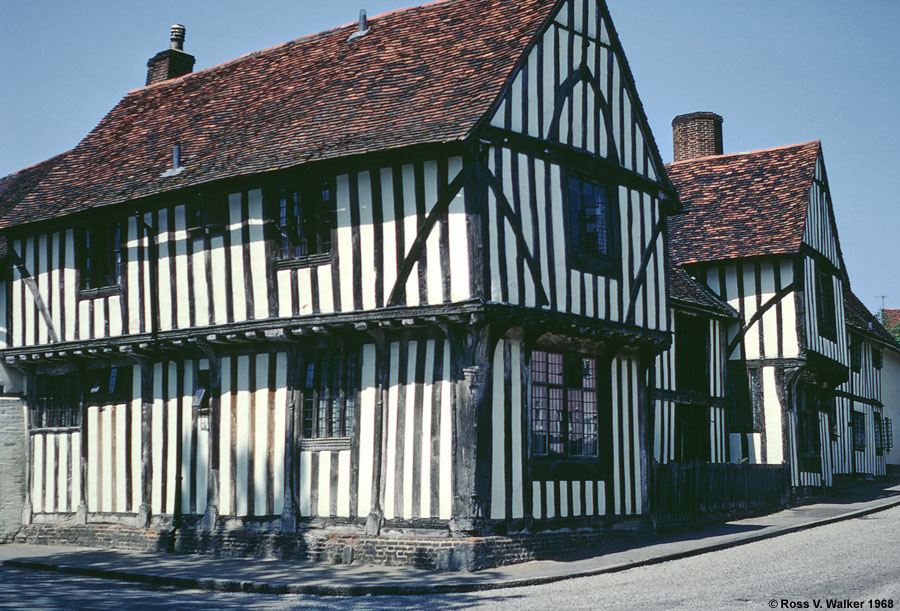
(846, 501)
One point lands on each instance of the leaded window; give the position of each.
(302, 218)
(879, 435)
(564, 405)
(328, 387)
(101, 256)
(591, 226)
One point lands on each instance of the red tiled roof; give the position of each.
(742, 205)
(891, 318)
(15, 187)
(421, 75)
(684, 289)
(859, 317)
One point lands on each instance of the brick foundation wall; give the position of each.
(438, 553)
(12, 466)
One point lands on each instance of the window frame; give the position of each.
(580, 256)
(858, 420)
(291, 232)
(43, 418)
(878, 426)
(568, 414)
(345, 396)
(855, 353)
(826, 313)
(101, 271)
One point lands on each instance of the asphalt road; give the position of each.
(856, 560)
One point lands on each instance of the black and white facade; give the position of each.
(451, 338)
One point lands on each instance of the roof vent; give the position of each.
(363, 26)
(173, 62)
(176, 168)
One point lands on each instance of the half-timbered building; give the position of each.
(403, 276)
(760, 233)
(688, 381)
(863, 429)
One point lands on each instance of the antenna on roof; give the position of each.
(363, 26)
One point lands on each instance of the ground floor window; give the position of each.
(328, 388)
(564, 416)
(888, 431)
(55, 402)
(859, 431)
(879, 436)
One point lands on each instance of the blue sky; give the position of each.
(779, 72)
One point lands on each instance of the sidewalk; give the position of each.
(275, 576)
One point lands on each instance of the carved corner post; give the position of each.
(290, 513)
(470, 368)
(375, 519)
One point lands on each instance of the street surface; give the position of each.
(856, 560)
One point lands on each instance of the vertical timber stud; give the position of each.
(211, 511)
(146, 439)
(471, 371)
(375, 519)
(292, 433)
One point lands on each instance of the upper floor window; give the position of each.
(101, 256)
(302, 219)
(855, 353)
(330, 381)
(691, 349)
(825, 310)
(877, 358)
(591, 225)
(564, 417)
(55, 402)
(206, 214)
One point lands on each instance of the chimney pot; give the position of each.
(698, 134)
(177, 37)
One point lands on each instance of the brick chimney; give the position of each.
(698, 134)
(171, 63)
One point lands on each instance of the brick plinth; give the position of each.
(440, 553)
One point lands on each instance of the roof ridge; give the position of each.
(36, 164)
(753, 152)
(288, 43)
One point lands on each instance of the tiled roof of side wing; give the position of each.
(684, 289)
(420, 75)
(891, 317)
(859, 317)
(742, 205)
(16, 187)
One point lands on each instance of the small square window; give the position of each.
(55, 402)
(591, 224)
